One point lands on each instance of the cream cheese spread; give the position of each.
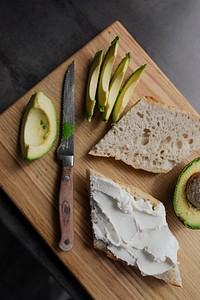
(133, 230)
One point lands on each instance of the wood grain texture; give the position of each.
(34, 186)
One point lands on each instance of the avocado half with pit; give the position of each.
(187, 195)
(39, 127)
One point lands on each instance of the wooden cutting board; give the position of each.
(33, 186)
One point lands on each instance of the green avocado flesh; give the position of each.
(115, 85)
(105, 74)
(39, 127)
(92, 84)
(188, 214)
(126, 93)
(68, 130)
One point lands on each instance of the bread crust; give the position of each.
(152, 99)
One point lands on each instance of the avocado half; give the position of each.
(39, 127)
(184, 209)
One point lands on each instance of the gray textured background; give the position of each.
(37, 36)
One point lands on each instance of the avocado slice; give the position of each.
(105, 74)
(115, 86)
(39, 127)
(92, 84)
(126, 93)
(184, 209)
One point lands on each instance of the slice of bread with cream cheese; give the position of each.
(130, 225)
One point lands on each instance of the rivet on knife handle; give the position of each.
(66, 209)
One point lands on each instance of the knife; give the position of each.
(65, 152)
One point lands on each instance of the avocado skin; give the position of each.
(180, 201)
(23, 122)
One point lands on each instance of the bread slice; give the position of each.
(151, 136)
(172, 275)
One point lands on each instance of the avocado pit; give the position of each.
(193, 190)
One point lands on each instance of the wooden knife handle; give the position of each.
(66, 209)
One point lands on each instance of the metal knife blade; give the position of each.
(65, 152)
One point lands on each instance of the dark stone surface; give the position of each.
(20, 272)
(37, 36)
